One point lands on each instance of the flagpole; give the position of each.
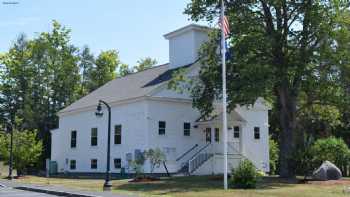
(224, 102)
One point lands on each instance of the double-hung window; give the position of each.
(256, 133)
(236, 132)
(117, 134)
(187, 129)
(161, 127)
(73, 139)
(94, 135)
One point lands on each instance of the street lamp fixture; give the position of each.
(99, 112)
(107, 186)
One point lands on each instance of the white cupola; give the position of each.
(184, 44)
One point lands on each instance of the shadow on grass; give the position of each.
(96, 176)
(267, 183)
(195, 184)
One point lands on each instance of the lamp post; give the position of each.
(10, 127)
(107, 186)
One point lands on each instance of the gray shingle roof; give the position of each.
(123, 88)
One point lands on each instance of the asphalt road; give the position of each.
(9, 192)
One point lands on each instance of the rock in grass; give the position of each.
(327, 171)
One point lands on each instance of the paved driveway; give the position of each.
(9, 192)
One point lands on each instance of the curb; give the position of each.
(54, 192)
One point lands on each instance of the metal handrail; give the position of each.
(199, 158)
(200, 150)
(188, 151)
(196, 162)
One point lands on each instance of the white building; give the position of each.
(146, 114)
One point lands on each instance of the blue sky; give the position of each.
(134, 27)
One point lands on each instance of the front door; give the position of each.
(208, 135)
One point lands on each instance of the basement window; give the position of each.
(93, 163)
(117, 163)
(72, 164)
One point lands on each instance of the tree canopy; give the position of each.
(42, 75)
(144, 64)
(105, 68)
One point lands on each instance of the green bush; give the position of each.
(27, 149)
(303, 158)
(137, 164)
(245, 175)
(156, 157)
(332, 149)
(274, 152)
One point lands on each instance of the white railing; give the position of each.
(209, 150)
(233, 148)
(203, 155)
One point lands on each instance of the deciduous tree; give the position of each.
(105, 68)
(144, 64)
(86, 64)
(283, 51)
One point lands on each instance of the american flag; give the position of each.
(225, 26)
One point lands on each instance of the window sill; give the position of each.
(93, 147)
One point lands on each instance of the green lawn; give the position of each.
(201, 186)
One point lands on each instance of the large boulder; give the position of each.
(327, 171)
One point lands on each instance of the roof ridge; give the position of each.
(133, 73)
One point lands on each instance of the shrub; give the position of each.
(303, 158)
(245, 175)
(332, 149)
(155, 157)
(273, 151)
(26, 149)
(137, 164)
